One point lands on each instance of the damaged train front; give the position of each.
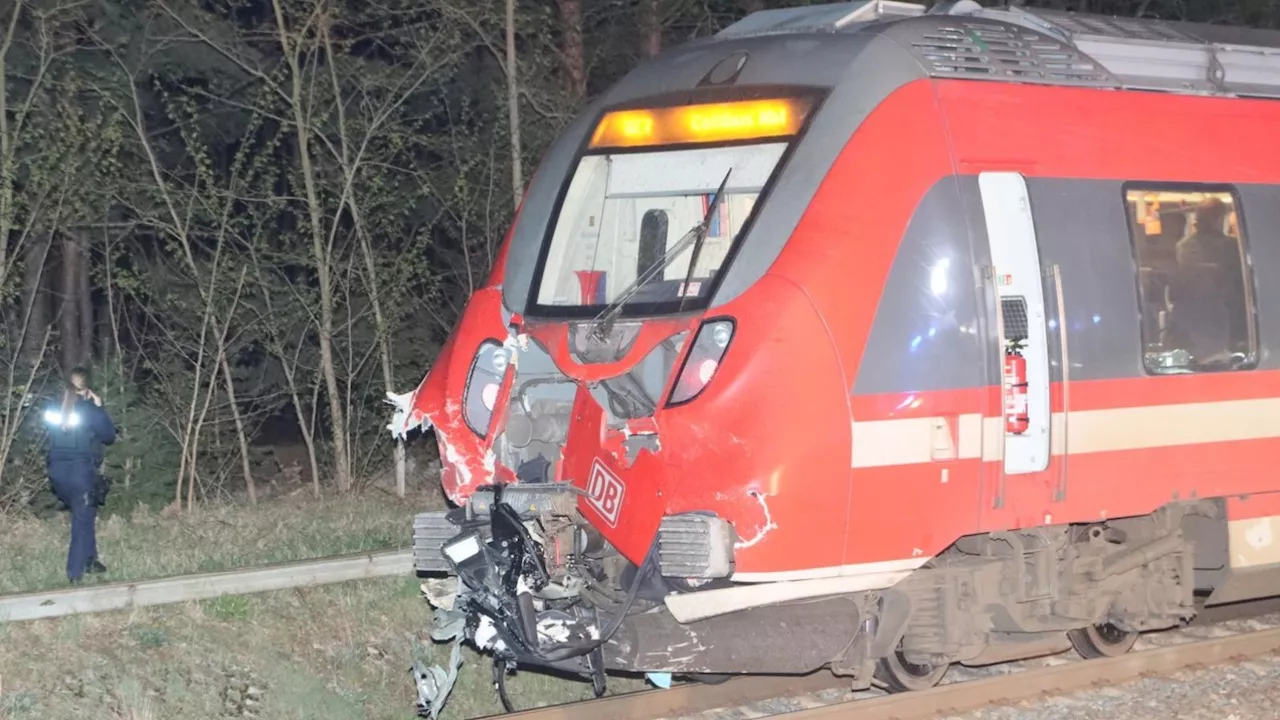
(541, 564)
(593, 441)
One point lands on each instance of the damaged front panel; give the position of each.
(532, 585)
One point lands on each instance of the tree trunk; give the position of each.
(68, 307)
(289, 368)
(250, 486)
(513, 106)
(650, 27)
(574, 54)
(85, 296)
(35, 299)
(384, 338)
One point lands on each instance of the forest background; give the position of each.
(253, 218)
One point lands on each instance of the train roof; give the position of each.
(960, 38)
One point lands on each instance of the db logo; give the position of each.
(604, 493)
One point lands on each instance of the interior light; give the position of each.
(938, 276)
(708, 122)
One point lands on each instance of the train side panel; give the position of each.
(1132, 440)
(926, 402)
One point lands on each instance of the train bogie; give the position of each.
(839, 340)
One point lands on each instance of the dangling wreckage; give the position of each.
(800, 328)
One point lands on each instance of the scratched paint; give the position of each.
(763, 527)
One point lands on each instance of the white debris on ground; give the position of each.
(1248, 690)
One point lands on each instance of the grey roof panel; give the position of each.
(985, 49)
(1171, 56)
(1151, 29)
(1015, 44)
(830, 17)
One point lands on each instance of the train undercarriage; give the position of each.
(529, 582)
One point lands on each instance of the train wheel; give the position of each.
(1099, 641)
(902, 676)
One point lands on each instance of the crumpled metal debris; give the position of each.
(447, 625)
(400, 425)
(435, 683)
(441, 592)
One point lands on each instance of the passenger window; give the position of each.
(1194, 286)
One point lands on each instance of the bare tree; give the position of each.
(513, 106)
(84, 294)
(650, 27)
(322, 249)
(574, 52)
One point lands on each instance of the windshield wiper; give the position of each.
(695, 237)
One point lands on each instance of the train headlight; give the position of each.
(483, 382)
(703, 360)
(722, 333)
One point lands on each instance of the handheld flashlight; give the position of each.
(53, 417)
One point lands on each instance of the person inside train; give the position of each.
(1208, 243)
(1208, 292)
(79, 427)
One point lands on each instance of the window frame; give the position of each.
(1254, 355)
(817, 95)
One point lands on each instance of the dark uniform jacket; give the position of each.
(84, 439)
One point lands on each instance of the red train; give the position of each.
(870, 338)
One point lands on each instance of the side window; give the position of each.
(1194, 288)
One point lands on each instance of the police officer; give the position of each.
(78, 429)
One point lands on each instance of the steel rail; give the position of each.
(1049, 681)
(685, 699)
(693, 698)
(182, 588)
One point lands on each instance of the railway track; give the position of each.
(1217, 636)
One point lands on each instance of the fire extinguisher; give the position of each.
(1015, 391)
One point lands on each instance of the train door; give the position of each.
(1021, 482)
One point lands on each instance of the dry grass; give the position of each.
(147, 545)
(333, 653)
(329, 653)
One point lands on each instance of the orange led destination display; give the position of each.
(713, 122)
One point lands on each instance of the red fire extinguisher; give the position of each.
(1015, 391)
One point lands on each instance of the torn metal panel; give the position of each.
(435, 683)
(467, 459)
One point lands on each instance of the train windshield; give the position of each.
(625, 212)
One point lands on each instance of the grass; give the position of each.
(338, 652)
(147, 545)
